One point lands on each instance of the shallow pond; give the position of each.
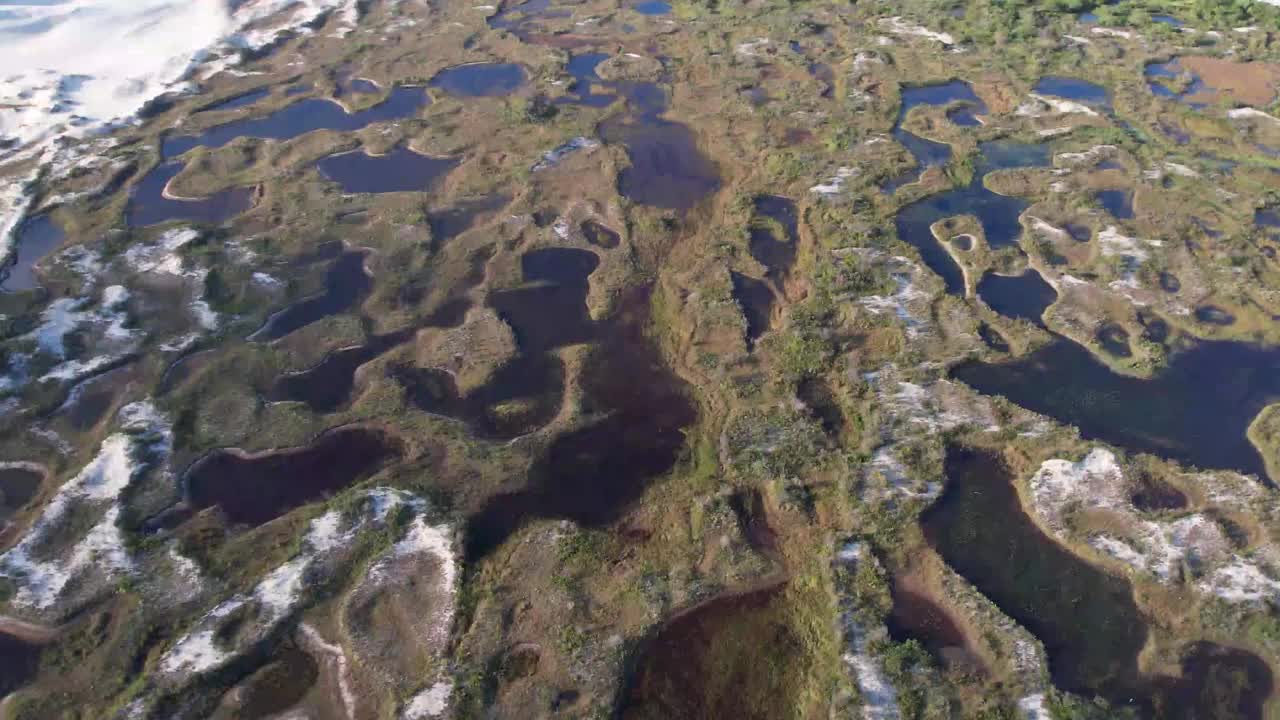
(755, 297)
(401, 170)
(652, 7)
(592, 475)
(1023, 297)
(345, 283)
(480, 79)
(667, 169)
(777, 254)
(1081, 91)
(253, 489)
(997, 213)
(928, 153)
(239, 101)
(1196, 411)
(149, 206)
(582, 68)
(1119, 203)
(979, 528)
(300, 118)
(38, 237)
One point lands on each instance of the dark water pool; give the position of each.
(1087, 619)
(1114, 339)
(997, 213)
(667, 169)
(755, 297)
(19, 662)
(979, 528)
(300, 118)
(776, 251)
(148, 205)
(1196, 411)
(480, 79)
(1023, 297)
(18, 486)
(401, 170)
(345, 283)
(701, 665)
(582, 68)
(255, 489)
(1119, 203)
(600, 235)
(927, 152)
(38, 237)
(638, 410)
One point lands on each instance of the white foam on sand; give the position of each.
(71, 69)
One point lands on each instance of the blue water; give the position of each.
(1117, 202)
(997, 213)
(1081, 91)
(302, 117)
(480, 79)
(1172, 70)
(1088, 18)
(583, 70)
(401, 170)
(148, 206)
(1167, 20)
(927, 152)
(652, 7)
(1022, 297)
(37, 237)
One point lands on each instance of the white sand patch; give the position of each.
(1055, 105)
(267, 281)
(1061, 484)
(1113, 243)
(1241, 582)
(1088, 158)
(898, 26)
(41, 580)
(162, 257)
(1112, 32)
(429, 703)
(279, 594)
(879, 699)
(835, 184)
(899, 303)
(107, 320)
(754, 48)
(1033, 707)
(1248, 113)
(553, 157)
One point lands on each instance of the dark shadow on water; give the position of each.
(599, 235)
(1087, 619)
(778, 254)
(255, 489)
(345, 284)
(239, 101)
(1214, 315)
(1151, 494)
(992, 338)
(480, 79)
(401, 170)
(327, 386)
(302, 117)
(1196, 411)
(148, 205)
(582, 67)
(37, 237)
(816, 394)
(980, 529)
(18, 486)
(1114, 339)
(997, 213)
(755, 297)
(1023, 297)
(636, 411)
